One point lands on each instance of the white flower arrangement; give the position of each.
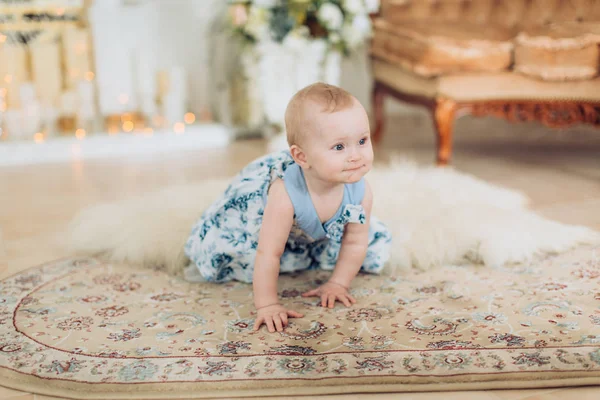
(343, 24)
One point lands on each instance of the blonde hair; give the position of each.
(327, 98)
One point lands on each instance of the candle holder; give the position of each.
(127, 122)
(67, 124)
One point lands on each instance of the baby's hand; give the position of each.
(274, 316)
(330, 292)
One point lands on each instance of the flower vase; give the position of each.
(233, 82)
(247, 115)
(266, 78)
(285, 68)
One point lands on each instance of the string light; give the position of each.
(8, 78)
(80, 133)
(179, 127)
(89, 76)
(2, 38)
(189, 118)
(38, 137)
(127, 126)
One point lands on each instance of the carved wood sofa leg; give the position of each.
(378, 111)
(444, 113)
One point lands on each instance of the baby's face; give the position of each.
(339, 150)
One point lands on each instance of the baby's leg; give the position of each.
(296, 257)
(221, 255)
(325, 254)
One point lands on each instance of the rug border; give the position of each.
(76, 390)
(25, 382)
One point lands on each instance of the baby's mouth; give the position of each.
(355, 168)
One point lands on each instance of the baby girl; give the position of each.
(303, 208)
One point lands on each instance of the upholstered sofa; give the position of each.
(518, 59)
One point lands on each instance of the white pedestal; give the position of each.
(68, 149)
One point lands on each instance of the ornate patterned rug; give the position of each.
(82, 328)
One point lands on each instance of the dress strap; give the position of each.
(356, 192)
(304, 210)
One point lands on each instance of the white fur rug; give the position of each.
(437, 216)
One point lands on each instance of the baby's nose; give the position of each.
(354, 155)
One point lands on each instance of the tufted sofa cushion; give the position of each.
(545, 39)
(443, 47)
(557, 52)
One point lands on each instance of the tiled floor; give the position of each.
(559, 170)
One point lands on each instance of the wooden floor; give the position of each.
(559, 170)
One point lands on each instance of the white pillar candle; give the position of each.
(172, 80)
(148, 106)
(13, 71)
(49, 117)
(172, 88)
(76, 55)
(2, 110)
(31, 119)
(13, 124)
(85, 91)
(14, 62)
(163, 84)
(31, 110)
(3, 106)
(27, 94)
(178, 81)
(46, 68)
(68, 103)
(173, 107)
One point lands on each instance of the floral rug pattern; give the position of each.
(83, 320)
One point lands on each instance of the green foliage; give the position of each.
(281, 22)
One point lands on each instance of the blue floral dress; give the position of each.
(223, 242)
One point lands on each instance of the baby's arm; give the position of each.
(354, 245)
(351, 257)
(277, 222)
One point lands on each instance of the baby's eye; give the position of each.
(362, 141)
(338, 147)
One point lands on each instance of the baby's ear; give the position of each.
(299, 156)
